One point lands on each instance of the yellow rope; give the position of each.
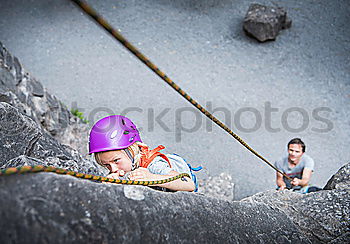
(102, 22)
(41, 168)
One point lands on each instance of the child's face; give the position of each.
(116, 161)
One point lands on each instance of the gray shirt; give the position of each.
(295, 172)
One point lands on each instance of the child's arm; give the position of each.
(184, 184)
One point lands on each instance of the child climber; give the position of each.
(116, 144)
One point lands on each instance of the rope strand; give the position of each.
(41, 168)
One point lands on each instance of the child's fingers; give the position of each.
(137, 175)
(113, 176)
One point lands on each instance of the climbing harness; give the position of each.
(192, 169)
(194, 177)
(147, 155)
(41, 168)
(102, 22)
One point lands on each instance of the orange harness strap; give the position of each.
(147, 155)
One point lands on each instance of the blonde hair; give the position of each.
(134, 149)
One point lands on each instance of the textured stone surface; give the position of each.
(21, 90)
(323, 216)
(22, 160)
(49, 208)
(22, 139)
(18, 133)
(340, 178)
(220, 187)
(37, 88)
(6, 80)
(45, 207)
(264, 22)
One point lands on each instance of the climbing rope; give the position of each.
(41, 168)
(102, 22)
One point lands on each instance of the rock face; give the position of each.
(264, 23)
(220, 187)
(23, 142)
(340, 179)
(324, 217)
(48, 208)
(28, 95)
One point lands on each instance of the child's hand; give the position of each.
(140, 174)
(116, 174)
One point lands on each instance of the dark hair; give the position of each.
(297, 141)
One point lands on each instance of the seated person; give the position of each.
(298, 166)
(116, 144)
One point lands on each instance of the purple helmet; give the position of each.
(113, 133)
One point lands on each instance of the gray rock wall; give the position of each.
(24, 142)
(20, 89)
(48, 208)
(324, 217)
(340, 179)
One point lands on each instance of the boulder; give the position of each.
(322, 216)
(340, 179)
(264, 22)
